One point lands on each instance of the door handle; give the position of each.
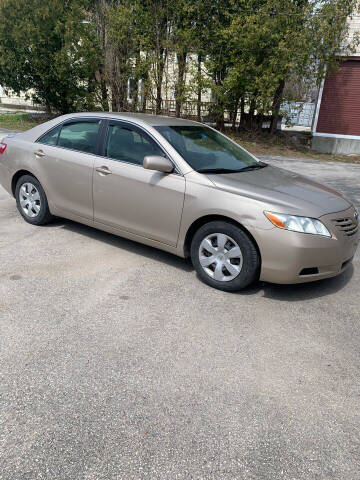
(104, 170)
(39, 153)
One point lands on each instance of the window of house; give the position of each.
(132, 88)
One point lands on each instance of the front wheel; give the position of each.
(224, 256)
(31, 201)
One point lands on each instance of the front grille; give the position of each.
(349, 226)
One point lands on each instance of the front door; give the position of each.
(127, 196)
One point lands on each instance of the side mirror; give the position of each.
(160, 164)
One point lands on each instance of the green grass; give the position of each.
(18, 121)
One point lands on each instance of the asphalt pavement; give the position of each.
(118, 363)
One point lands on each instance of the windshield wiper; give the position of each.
(217, 170)
(255, 166)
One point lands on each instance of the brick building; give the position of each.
(336, 126)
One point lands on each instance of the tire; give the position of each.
(224, 256)
(31, 201)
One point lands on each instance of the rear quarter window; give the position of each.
(51, 137)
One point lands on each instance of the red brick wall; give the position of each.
(340, 104)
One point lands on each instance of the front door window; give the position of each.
(129, 145)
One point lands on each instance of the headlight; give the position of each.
(298, 224)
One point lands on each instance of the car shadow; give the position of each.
(287, 293)
(124, 244)
(307, 291)
(299, 291)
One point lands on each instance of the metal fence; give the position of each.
(293, 113)
(188, 108)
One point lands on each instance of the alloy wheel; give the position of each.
(220, 257)
(30, 201)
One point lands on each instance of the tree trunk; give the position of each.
(242, 113)
(145, 93)
(134, 97)
(104, 96)
(234, 114)
(276, 106)
(158, 99)
(114, 105)
(199, 99)
(180, 86)
(144, 89)
(159, 79)
(101, 73)
(250, 118)
(135, 93)
(220, 121)
(120, 82)
(220, 106)
(259, 122)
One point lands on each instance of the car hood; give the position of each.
(290, 192)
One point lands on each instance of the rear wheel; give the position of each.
(224, 256)
(31, 201)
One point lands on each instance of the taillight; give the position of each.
(2, 147)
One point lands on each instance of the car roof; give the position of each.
(141, 118)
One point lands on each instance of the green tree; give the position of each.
(274, 41)
(43, 49)
(216, 16)
(183, 36)
(156, 20)
(121, 51)
(71, 54)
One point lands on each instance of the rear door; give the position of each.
(65, 157)
(129, 197)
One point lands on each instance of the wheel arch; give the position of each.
(17, 175)
(211, 218)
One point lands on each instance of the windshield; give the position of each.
(206, 150)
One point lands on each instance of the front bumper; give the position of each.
(285, 254)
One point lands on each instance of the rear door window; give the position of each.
(80, 136)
